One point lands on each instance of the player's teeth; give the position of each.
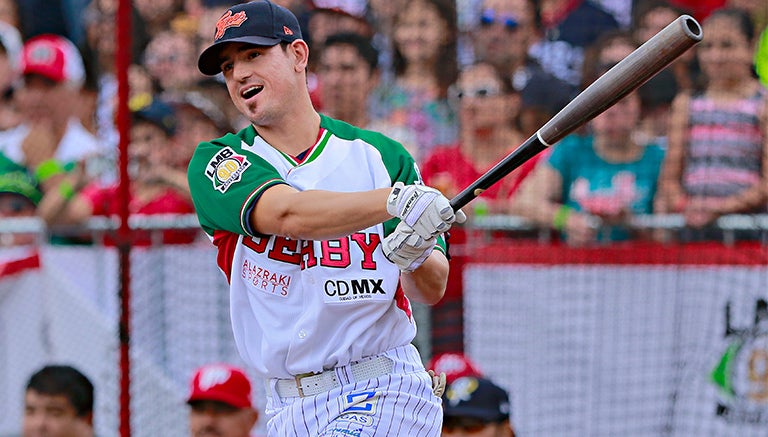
(251, 91)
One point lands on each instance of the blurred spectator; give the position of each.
(717, 160)
(348, 69)
(58, 402)
(620, 9)
(657, 94)
(19, 196)
(171, 60)
(336, 16)
(141, 86)
(381, 15)
(596, 182)
(506, 31)
(51, 138)
(217, 92)
(88, 104)
(156, 187)
(454, 364)
(156, 14)
(220, 402)
(207, 14)
(326, 17)
(10, 57)
(425, 36)
(99, 19)
(756, 9)
(650, 17)
(476, 406)
(198, 119)
(569, 27)
(487, 107)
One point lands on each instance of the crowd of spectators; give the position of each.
(459, 83)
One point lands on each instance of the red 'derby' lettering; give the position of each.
(335, 253)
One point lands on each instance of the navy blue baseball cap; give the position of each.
(160, 114)
(259, 22)
(477, 398)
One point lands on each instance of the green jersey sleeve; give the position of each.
(399, 163)
(225, 180)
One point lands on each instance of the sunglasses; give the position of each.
(488, 18)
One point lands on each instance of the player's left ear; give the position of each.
(300, 52)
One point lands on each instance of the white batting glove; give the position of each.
(406, 248)
(423, 208)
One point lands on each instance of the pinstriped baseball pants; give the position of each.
(396, 404)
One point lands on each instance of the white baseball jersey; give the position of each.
(301, 306)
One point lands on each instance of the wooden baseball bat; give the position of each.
(634, 70)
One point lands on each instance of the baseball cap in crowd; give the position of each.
(196, 101)
(222, 383)
(15, 179)
(54, 57)
(160, 114)
(352, 8)
(476, 398)
(454, 365)
(258, 22)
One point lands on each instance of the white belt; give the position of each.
(310, 384)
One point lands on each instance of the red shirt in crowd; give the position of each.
(104, 201)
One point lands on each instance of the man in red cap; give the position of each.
(454, 364)
(220, 401)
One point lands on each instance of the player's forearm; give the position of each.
(316, 214)
(427, 283)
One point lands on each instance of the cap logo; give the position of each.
(212, 377)
(42, 55)
(461, 390)
(229, 20)
(287, 31)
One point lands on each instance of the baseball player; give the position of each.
(324, 232)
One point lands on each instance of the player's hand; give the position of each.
(581, 229)
(423, 208)
(438, 382)
(407, 249)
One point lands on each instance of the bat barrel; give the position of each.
(633, 71)
(626, 76)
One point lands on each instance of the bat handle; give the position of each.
(516, 158)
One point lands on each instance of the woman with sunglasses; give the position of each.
(487, 108)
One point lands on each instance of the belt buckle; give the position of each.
(298, 379)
